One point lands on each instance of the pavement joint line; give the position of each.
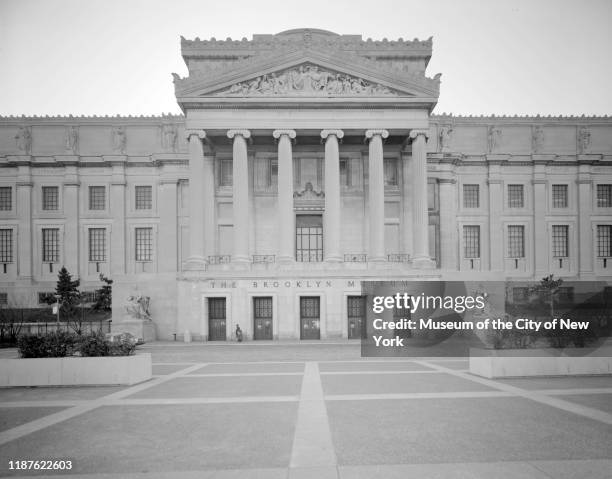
(202, 400)
(312, 441)
(60, 416)
(574, 391)
(235, 375)
(369, 372)
(541, 398)
(430, 395)
(175, 364)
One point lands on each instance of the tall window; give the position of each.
(471, 241)
(516, 241)
(6, 198)
(225, 172)
(97, 197)
(471, 196)
(97, 245)
(344, 173)
(144, 197)
(50, 240)
(390, 168)
(604, 196)
(560, 241)
(144, 244)
(604, 241)
(515, 196)
(309, 238)
(6, 246)
(50, 198)
(559, 196)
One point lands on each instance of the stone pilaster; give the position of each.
(448, 224)
(585, 210)
(540, 235)
(71, 228)
(331, 218)
(376, 194)
(23, 196)
(286, 215)
(420, 212)
(240, 174)
(496, 202)
(118, 249)
(168, 218)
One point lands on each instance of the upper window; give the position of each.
(97, 197)
(6, 198)
(50, 198)
(309, 238)
(471, 196)
(516, 241)
(50, 239)
(515, 196)
(6, 246)
(604, 241)
(390, 166)
(144, 197)
(344, 173)
(559, 196)
(471, 241)
(225, 172)
(604, 196)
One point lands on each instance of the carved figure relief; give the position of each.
(138, 307)
(494, 138)
(169, 136)
(119, 139)
(445, 137)
(584, 139)
(308, 192)
(23, 139)
(307, 80)
(71, 138)
(537, 139)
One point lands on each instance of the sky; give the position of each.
(513, 57)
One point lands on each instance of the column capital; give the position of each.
(417, 132)
(244, 133)
(278, 133)
(337, 133)
(200, 133)
(369, 134)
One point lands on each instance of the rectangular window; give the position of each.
(50, 240)
(471, 241)
(604, 241)
(89, 296)
(3, 299)
(471, 196)
(344, 173)
(50, 198)
(97, 198)
(559, 196)
(97, 245)
(273, 173)
(6, 246)
(604, 196)
(46, 298)
(390, 166)
(309, 238)
(144, 244)
(516, 241)
(225, 173)
(560, 240)
(515, 196)
(6, 198)
(144, 197)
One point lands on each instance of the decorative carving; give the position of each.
(138, 307)
(537, 139)
(308, 192)
(493, 138)
(71, 139)
(119, 139)
(584, 139)
(445, 137)
(307, 80)
(23, 139)
(169, 136)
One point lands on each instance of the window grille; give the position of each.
(144, 197)
(144, 244)
(559, 196)
(390, 169)
(515, 196)
(3, 299)
(97, 245)
(226, 173)
(50, 198)
(604, 196)
(604, 241)
(97, 197)
(516, 241)
(50, 240)
(471, 241)
(471, 196)
(6, 246)
(309, 238)
(560, 240)
(6, 198)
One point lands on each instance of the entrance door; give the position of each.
(262, 317)
(310, 317)
(216, 319)
(356, 316)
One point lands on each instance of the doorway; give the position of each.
(262, 318)
(216, 319)
(310, 317)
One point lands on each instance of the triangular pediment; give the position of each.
(306, 73)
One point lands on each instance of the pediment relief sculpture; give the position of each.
(307, 80)
(308, 193)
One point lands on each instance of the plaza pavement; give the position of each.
(312, 410)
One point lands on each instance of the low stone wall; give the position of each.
(74, 371)
(506, 363)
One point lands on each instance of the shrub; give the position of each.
(93, 345)
(53, 345)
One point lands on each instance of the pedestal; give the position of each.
(141, 328)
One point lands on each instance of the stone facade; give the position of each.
(305, 131)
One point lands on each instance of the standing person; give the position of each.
(238, 333)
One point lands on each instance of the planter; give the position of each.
(507, 363)
(75, 371)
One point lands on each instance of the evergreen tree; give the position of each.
(104, 300)
(68, 292)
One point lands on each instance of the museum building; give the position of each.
(305, 162)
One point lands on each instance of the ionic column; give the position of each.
(331, 218)
(286, 216)
(376, 194)
(240, 174)
(420, 212)
(199, 199)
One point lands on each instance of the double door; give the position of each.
(310, 317)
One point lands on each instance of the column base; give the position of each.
(423, 262)
(196, 263)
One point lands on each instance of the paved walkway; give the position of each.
(312, 411)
